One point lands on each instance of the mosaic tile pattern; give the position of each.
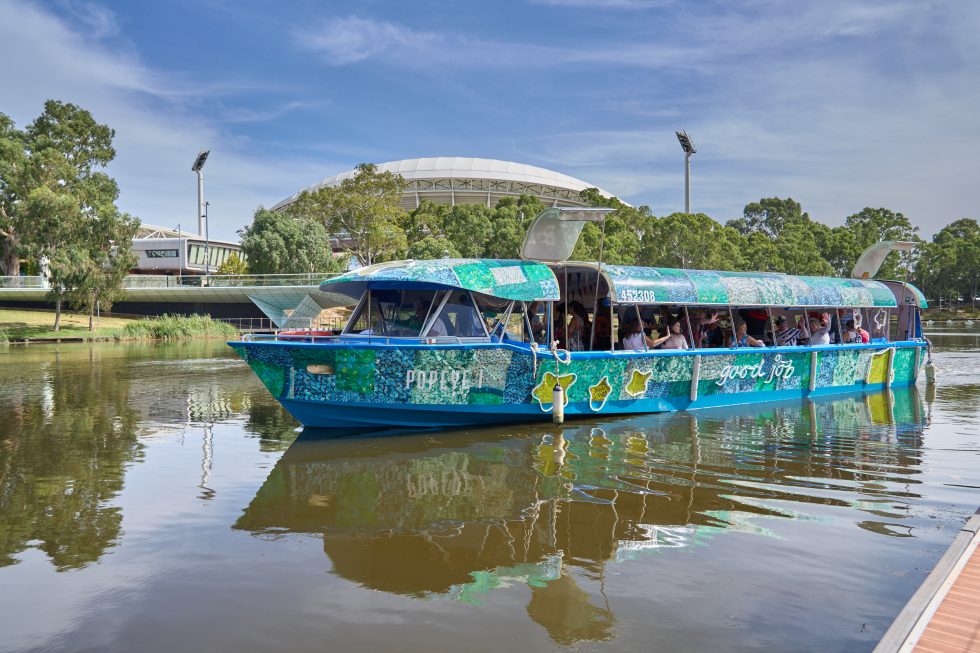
(665, 285)
(519, 280)
(500, 377)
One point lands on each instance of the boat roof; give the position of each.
(507, 279)
(631, 284)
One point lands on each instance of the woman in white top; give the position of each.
(820, 330)
(634, 338)
(674, 338)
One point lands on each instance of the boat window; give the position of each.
(492, 310)
(458, 317)
(393, 313)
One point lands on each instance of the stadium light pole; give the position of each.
(202, 207)
(688, 146)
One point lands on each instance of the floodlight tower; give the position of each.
(202, 207)
(688, 146)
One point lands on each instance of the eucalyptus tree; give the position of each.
(362, 213)
(58, 206)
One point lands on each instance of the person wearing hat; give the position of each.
(820, 329)
(787, 336)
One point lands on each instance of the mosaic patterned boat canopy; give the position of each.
(672, 286)
(519, 280)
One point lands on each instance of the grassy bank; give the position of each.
(17, 325)
(966, 313)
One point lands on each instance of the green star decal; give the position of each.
(599, 393)
(543, 391)
(637, 384)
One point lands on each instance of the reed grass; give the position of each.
(173, 327)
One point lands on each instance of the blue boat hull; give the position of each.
(381, 385)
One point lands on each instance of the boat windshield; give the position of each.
(404, 313)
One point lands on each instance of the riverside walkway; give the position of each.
(943, 616)
(288, 300)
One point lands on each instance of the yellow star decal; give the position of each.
(637, 384)
(543, 391)
(599, 393)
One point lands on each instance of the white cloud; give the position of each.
(351, 39)
(158, 130)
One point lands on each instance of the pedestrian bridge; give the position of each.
(288, 300)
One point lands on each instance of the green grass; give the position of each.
(19, 324)
(178, 327)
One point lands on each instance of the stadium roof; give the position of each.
(466, 180)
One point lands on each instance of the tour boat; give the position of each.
(456, 342)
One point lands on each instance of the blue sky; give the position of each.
(839, 104)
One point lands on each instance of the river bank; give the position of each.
(19, 326)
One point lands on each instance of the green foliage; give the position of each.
(769, 216)
(281, 243)
(432, 247)
(871, 226)
(512, 217)
(56, 205)
(465, 228)
(170, 327)
(233, 265)
(362, 213)
(683, 240)
(624, 228)
(949, 266)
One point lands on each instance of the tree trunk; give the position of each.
(91, 317)
(9, 261)
(57, 313)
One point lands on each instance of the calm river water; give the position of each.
(155, 498)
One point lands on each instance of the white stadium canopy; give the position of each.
(466, 180)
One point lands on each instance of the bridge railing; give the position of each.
(134, 281)
(225, 280)
(23, 282)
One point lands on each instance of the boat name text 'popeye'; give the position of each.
(445, 380)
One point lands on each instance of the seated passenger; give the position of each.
(674, 338)
(742, 338)
(705, 322)
(787, 336)
(850, 336)
(756, 321)
(820, 330)
(865, 336)
(579, 327)
(438, 327)
(634, 339)
(538, 329)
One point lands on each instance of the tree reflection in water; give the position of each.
(73, 421)
(457, 515)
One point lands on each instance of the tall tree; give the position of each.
(466, 227)
(624, 229)
(511, 218)
(61, 151)
(279, 243)
(361, 212)
(770, 216)
(871, 226)
(57, 205)
(950, 265)
(691, 240)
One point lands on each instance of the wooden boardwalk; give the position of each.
(943, 616)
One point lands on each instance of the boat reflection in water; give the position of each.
(462, 514)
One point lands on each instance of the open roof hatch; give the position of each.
(871, 259)
(554, 232)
